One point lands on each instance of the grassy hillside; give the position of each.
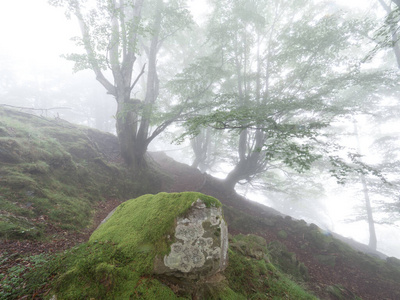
(53, 173)
(56, 177)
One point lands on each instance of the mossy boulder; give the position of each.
(200, 247)
(118, 262)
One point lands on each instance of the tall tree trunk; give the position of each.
(132, 149)
(152, 87)
(370, 218)
(250, 141)
(371, 224)
(238, 173)
(250, 160)
(133, 116)
(200, 146)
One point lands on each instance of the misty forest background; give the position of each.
(295, 104)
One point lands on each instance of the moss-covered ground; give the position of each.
(52, 173)
(117, 261)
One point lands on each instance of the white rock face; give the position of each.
(201, 244)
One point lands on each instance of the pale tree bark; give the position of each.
(251, 160)
(133, 115)
(370, 218)
(201, 147)
(126, 116)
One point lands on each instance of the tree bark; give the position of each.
(152, 88)
(250, 141)
(200, 145)
(371, 224)
(120, 45)
(370, 218)
(251, 161)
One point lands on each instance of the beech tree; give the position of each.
(116, 35)
(287, 67)
(381, 198)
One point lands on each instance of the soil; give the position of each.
(60, 239)
(352, 279)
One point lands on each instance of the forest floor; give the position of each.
(352, 280)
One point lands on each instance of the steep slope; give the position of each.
(335, 269)
(59, 180)
(53, 174)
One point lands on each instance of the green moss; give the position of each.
(287, 261)
(96, 271)
(220, 291)
(250, 245)
(149, 217)
(56, 172)
(257, 278)
(341, 293)
(17, 179)
(282, 234)
(246, 275)
(39, 167)
(12, 227)
(121, 252)
(153, 289)
(319, 239)
(328, 260)
(17, 281)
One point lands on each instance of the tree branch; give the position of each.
(91, 54)
(138, 77)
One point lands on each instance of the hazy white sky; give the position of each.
(34, 32)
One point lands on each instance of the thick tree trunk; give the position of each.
(132, 148)
(200, 146)
(238, 173)
(250, 162)
(133, 116)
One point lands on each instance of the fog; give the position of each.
(35, 78)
